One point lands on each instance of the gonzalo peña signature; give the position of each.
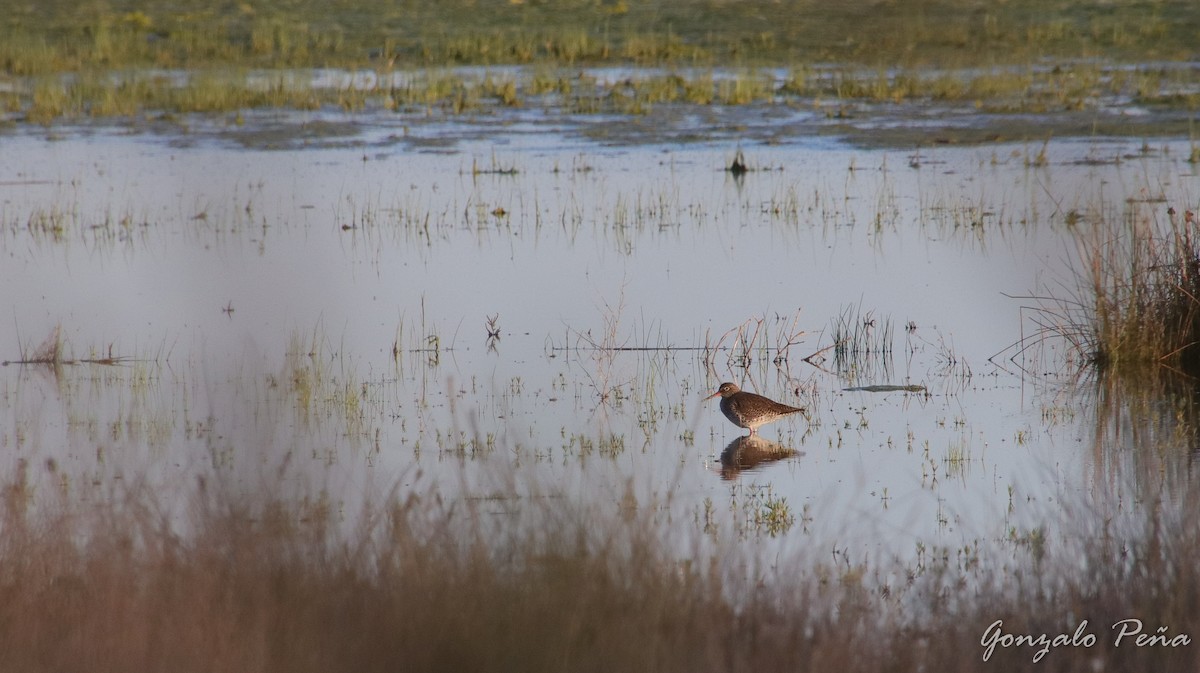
(1125, 632)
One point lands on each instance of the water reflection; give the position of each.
(600, 265)
(751, 452)
(1144, 434)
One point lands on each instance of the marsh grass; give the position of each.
(761, 339)
(52, 352)
(100, 93)
(101, 61)
(1136, 312)
(317, 389)
(58, 35)
(862, 344)
(495, 167)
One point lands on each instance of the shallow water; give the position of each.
(315, 321)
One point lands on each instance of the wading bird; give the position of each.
(747, 410)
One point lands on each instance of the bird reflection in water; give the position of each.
(751, 452)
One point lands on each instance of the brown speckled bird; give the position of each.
(747, 410)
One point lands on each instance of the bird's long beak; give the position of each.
(713, 395)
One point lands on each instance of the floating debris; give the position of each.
(887, 388)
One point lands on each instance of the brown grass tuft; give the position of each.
(1145, 282)
(1136, 311)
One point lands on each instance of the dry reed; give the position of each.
(1136, 310)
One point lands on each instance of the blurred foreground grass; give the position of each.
(256, 583)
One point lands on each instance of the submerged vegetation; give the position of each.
(62, 59)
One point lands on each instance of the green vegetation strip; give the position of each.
(65, 35)
(62, 58)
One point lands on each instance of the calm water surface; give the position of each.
(315, 321)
